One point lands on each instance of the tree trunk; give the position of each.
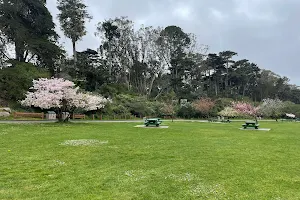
(74, 52)
(216, 87)
(110, 63)
(19, 50)
(129, 79)
(209, 83)
(226, 80)
(151, 85)
(159, 94)
(59, 114)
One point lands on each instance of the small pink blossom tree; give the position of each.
(168, 109)
(245, 109)
(62, 96)
(204, 106)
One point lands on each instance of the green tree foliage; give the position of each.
(176, 41)
(154, 62)
(72, 18)
(290, 107)
(29, 26)
(186, 111)
(118, 47)
(90, 71)
(216, 69)
(227, 59)
(138, 106)
(110, 32)
(145, 64)
(15, 81)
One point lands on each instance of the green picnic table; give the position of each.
(153, 121)
(250, 124)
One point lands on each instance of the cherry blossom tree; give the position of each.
(245, 109)
(62, 96)
(229, 112)
(271, 108)
(204, 106)
(168, 109)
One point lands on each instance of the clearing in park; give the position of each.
(117, 161)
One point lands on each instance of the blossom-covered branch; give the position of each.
(63, 95)
(229, 112)
(245, 108)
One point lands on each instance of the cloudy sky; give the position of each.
(266, 32)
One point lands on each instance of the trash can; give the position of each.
(51, 115)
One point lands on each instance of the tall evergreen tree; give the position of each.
(110, 32)
(175, 41)
(227, 57)
(28, 25)
(72, 17)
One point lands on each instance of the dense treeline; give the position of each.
(154, 63)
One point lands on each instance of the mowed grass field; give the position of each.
(189, 160)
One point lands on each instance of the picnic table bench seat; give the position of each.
(153, 121)
(250, 124)
(78, 116)
(29, 115)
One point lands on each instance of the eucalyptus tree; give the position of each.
(117, 36)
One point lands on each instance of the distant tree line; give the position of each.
(158, 63)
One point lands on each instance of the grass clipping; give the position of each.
(83, 142)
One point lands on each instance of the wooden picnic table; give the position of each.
(250, 124)
(152, 121)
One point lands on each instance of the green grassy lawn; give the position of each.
(118, 161)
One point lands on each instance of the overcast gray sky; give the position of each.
(266, 32)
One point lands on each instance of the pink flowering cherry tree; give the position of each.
(62, 96)
(245, 109)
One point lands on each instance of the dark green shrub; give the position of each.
(15, 81)
(186, 111)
